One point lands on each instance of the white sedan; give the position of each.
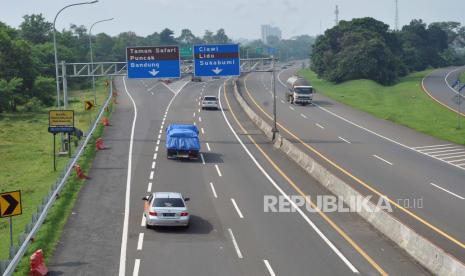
(210, 102)
(166, 209)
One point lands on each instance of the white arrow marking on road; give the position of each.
(217, 70)
(153, 72)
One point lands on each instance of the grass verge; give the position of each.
(26, 155)
(49, 234)
(404, 103)
(462, 77)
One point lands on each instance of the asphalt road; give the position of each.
(376, 157)
(230, 233)
(439, 84)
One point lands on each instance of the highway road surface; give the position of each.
(377, 157)
(230, 232)
(438, 85)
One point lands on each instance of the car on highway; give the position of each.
(166, 209)
(196, 79)
(210, 102)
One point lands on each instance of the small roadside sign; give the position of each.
(186, 52)
(88, 105)
(60, 121)
(259, 50)
(10, 204)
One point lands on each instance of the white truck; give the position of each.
(299, 91)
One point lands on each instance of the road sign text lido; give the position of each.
(153, 62)
(216, 60)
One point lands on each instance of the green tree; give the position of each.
(8, 93)
(44, 89)
(36, 29)
(167, 38)
(221, 37)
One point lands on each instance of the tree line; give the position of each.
(27, 66)
(366, 48)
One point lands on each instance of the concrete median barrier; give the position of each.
(422, 250)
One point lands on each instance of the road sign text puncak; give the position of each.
(153, 62)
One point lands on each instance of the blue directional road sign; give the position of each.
(153, 62)
(216, 60)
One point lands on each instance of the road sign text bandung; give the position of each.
(153, 62)
(216, 60)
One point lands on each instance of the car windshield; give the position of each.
(168, 202)
(306, 91)
(210, 98)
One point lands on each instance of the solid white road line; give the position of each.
(140, 242)
(201, 129)
(268, 266)
(451, 157)
(124, 236)
(303, 116)
(238, 251)
(347, 141)
(286, 196)
(424, 147)
(237, 208)
(151, 175)
(440, 148)
(208, 146)
(153, 164)
(443, 155)
(447, 191)
(136, 268)
(155, 155)
(213, 190)
(156, 149)
(149, 187)
(203, 160)
(142, 223)
(384, 160)
(320, 126)
(441, 152)
(218, 170)
(292, 108)
(454, 161)
(460, 165)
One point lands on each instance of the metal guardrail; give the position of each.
(39, 217)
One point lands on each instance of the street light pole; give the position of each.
(55, 45)
(275, 128)
(92, 57)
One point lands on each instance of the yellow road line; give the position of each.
(361, 182)
(436, 100)
(294, 185)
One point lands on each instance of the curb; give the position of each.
(422, 250)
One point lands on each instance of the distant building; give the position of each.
(268, 30)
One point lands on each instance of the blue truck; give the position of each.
(182, 141)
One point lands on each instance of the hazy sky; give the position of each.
(240, 18)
